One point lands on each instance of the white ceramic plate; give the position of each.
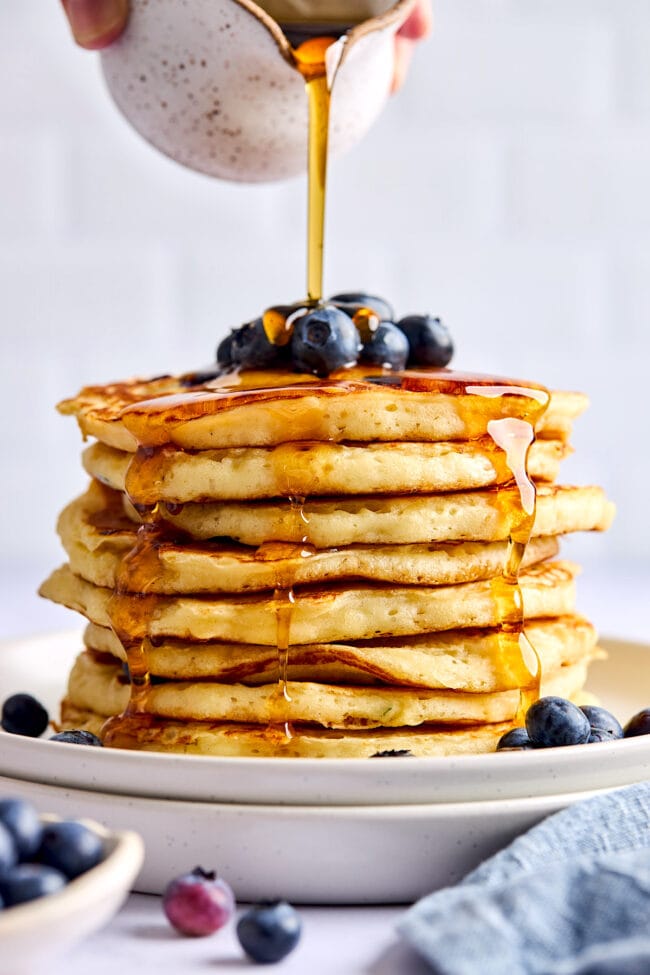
(307, 854)
(40, 666)
(31, 934)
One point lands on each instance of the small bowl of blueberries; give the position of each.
(60, 880)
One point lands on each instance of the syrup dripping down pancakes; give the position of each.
(276, 564)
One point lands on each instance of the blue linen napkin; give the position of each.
(570, 897)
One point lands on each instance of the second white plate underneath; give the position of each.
(307, 854)
(40, 666)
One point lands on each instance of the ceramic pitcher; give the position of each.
(211, 82)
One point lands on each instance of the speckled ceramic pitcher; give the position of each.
(211, 83)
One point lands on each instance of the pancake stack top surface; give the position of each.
(279, 563)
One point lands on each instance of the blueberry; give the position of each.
(27, 881)
(517, 738)
(22, 714)
(638, 725)
(200, 376)
(268, 932)
(388, 347)
(224, 350)
(71, 848)
(324, 340)
(352, 301)
(554, 721)
(394, 753)
(251, 349)
(78, 737)
(198, 903)
(8, 849)
(604, 726)
(21, 820)
(429, 340)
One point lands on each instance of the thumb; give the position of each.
(96, 23)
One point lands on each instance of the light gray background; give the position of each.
(507, 188)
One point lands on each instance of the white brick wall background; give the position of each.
(507, 188)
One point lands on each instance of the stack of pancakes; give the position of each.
(274, 564)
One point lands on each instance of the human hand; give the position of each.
(96, 23)
(415, 28)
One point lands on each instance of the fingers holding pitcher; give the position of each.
(96, 23)
(415, 28)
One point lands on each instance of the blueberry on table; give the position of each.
(516, 739)
(22, 821)
(71, 848)
(324, 340)
(387, 347)
(268, 932)
(352, 301)
(27, 881)
(22, 714)
(198, 903)
(554, 721)
(429, 341)
(638, 725)
(8, 849)
(604, 726)
(78, 737)
(251, 349)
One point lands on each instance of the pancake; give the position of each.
(96, 685)
(467, 660)
(321, 567)
(312, 469)
(319, 615)
(231, 739)
(290, 407)
(97, 535)
(469, 516)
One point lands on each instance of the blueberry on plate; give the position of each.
(387, 347)
(517, 739)
(604, 726)
(554, 721)
(251, 349)
(27, 881)
(638, 725)
(22, 714)
(78, 737)
(429, 340)
(268, 932)
(393, 753)
(8, 849)
(324, 340)
(70, 847)
(22, 821)
(351, 301)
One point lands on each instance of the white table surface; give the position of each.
(335, 941)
